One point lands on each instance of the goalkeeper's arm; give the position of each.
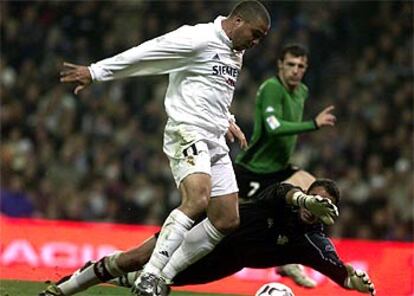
(318, 252)
(323, 208)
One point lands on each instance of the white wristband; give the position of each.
(93, 76)
(299, 198)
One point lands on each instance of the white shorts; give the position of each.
(192, 150)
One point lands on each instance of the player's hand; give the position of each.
(323, 208)
(325, 117)
(234, 132)
(77, 74)
(359, 280)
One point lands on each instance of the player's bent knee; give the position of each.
(195, 206)
(226, 225)
(195, 196)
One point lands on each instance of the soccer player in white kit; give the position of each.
(203, 63)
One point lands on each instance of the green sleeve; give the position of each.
(270, 96)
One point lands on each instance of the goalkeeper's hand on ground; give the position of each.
(323, 208)
(359, 280)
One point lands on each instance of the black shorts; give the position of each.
(252, 184)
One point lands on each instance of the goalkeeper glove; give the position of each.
(359, 280)
(323, 208)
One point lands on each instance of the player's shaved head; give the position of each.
(251, 11)
(247, 24)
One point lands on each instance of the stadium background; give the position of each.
(98, 157)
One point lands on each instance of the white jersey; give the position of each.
(203, 70)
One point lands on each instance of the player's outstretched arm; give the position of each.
(78, 74)
(359, 280)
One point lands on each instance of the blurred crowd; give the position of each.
(98, 156)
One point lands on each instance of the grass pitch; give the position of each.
(22, 288)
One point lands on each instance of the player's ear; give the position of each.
(279, 63)
(238, 21)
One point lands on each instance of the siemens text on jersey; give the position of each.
(222, 70)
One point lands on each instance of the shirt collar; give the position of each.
(219, 29)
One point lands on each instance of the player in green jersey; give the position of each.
(278, 120)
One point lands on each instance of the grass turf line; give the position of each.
(23, 288)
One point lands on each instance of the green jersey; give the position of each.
(278, 120)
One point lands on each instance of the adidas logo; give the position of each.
(216, 57)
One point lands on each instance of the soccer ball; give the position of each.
(274, 289)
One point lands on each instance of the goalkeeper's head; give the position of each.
(325, 188)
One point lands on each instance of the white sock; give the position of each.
(94, 274)
(79, 282)
(172, 234)
(198, 242)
